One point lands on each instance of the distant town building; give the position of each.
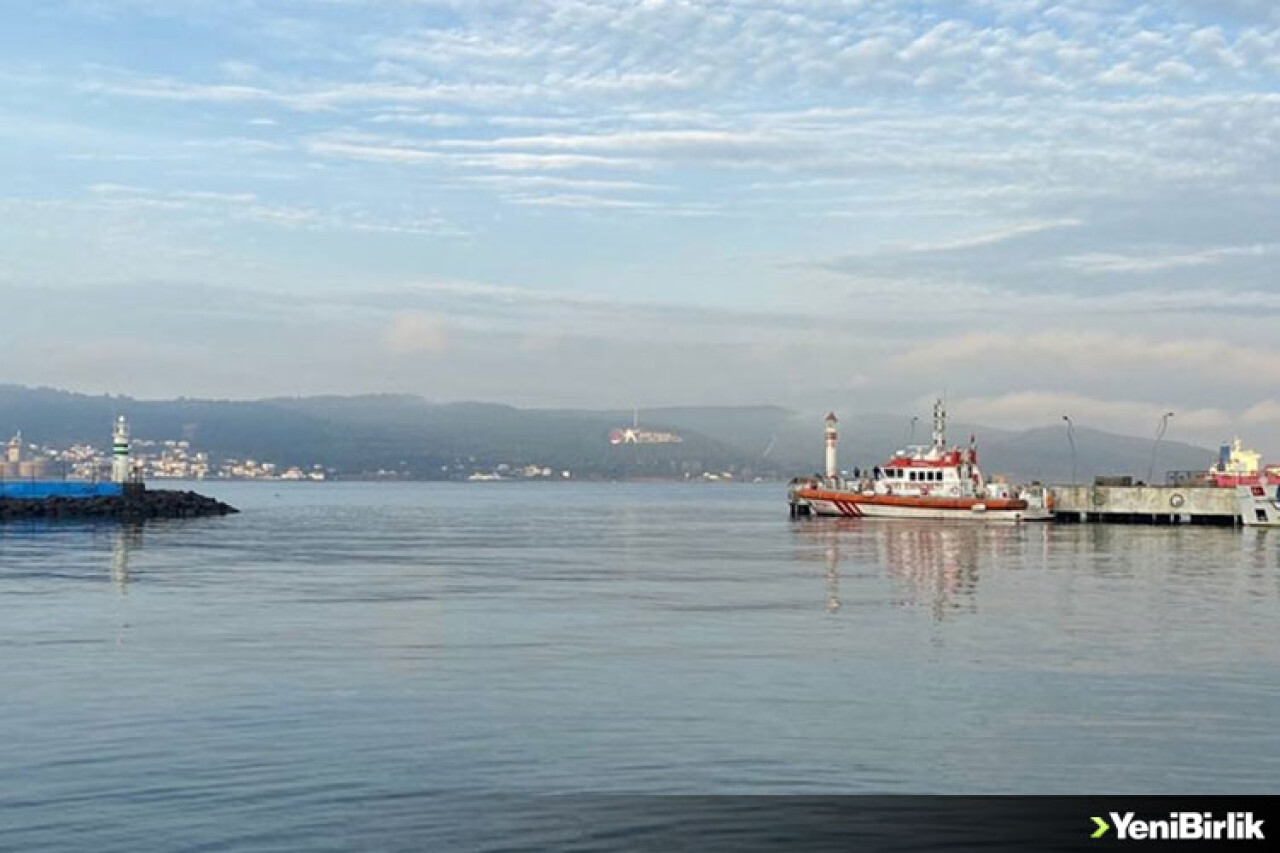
(635, 435)
(19, 464)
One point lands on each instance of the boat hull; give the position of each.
(828, 502)
(1259, 504)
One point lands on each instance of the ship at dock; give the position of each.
(1238, 466)
(930, 481)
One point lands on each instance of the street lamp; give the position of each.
(1164, 425)
(1071, 439)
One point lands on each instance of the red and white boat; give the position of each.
(925, 482)
(1237, 466)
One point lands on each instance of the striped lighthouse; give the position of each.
(120, 452)
(833, 470)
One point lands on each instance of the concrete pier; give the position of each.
(1145, 504)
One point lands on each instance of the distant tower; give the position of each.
(833, 470)
(120, 452)
(14, 451)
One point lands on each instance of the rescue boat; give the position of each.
(931, 481)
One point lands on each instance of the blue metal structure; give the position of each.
(37, 489)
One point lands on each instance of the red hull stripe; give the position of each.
(847, 508)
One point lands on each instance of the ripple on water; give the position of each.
(336, 662)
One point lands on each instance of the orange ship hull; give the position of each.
(859, 505)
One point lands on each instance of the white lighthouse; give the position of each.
(120, 452)
(833, 470)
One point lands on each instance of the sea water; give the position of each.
(340, 662)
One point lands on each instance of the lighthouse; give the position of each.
(120, 452)
(833, 471)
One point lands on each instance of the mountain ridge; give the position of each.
(360, 434)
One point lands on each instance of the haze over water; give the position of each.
(336, 662)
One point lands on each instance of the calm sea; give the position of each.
(333, 665)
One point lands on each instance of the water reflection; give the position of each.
(37, 551)
(933, 565)
(124, 542)
(833, 577)
(1262, 550)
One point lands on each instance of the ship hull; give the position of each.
(858, 505)
(1259, 504)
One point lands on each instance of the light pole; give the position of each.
(1071, 439)
(911, 433)
(1164, 425)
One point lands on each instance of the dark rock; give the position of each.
(131, 507)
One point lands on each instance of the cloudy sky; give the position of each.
(1037, 207)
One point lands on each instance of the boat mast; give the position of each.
(939, 426)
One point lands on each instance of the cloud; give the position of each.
(578, 200)
(248, 207)
(416, 333)
(1263, 413)
(1028, 409)
(1163, 258)
(383, 152)
(1100, 353)
(984, 239)
(1082, 190)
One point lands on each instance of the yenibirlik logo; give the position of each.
(1182, 826)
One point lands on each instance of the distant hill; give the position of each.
(360, 435)
(794, 442)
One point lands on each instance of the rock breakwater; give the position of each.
(135, 506)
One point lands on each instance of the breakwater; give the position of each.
(1126, 504)
(133, 505)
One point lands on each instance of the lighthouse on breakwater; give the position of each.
(120, 466)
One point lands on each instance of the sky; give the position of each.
(1037, 208)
